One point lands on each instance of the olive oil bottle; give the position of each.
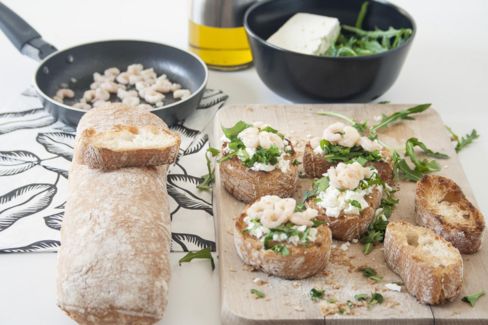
(216, 33)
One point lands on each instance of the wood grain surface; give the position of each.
(288, 302)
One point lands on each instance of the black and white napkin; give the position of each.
(35, 154)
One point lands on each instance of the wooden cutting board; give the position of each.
(288, 302)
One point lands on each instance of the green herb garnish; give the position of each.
(406, 114)
(361, 296)
(257, 293)
(355, 204)
(370, 273)
(231, 133)
(208, 179)
(472, 299)
(465, 140)
(204, 253)
(281, 249)
(316, 294)
(376, 298)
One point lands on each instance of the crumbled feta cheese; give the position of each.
(294, 240)
(393, 287)
(262, 167)
(312, 234)
(259, 281)
(283, 164)
(355, 241)
(345, 246)
(334, 201)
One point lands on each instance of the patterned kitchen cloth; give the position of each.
(35, 154)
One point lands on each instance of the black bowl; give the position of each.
(307, 78)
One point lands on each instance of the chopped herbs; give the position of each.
(281, 249)
(257, 293)
(465, 140)
(472, 299)
(355, 41)
(370, 273)
(295, 162)
(316, 294)
(204, 253)
(377, 228)
(300, 207)
(337, 153)
(355, 204)
(361, 296)
(319, 185)
(208, 179)
(375, 298)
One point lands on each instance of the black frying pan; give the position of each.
(80, 62)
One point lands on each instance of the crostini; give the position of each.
(257, 160)
(347, 197)
(281, 238)
(441, 205)
(430, 267)
(343, 143)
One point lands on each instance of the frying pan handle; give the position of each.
(25, 38)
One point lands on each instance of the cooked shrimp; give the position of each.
(148, 74)
(131, 101)
(162, 86)
(348, 176)
(268, 139)
(304, 218)
(270, 219)
(333, 132)
(134, 78)
(102, 94)
(250, 137)
(152, 96)
(109, 86)
(123, 78)
(350, 137)
(111, 72)
(285, 207)
(369, 145)
(135, 68)
(83, 106)
(65, 93)
(181, 93)
(89, 95)
(94, 85)
(175, 86)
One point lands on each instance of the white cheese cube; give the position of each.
(307, 33)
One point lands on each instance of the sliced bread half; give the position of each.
(128, 146)
(441, 205)
(430, 266)
(301, 261)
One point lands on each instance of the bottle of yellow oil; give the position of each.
(216, 33)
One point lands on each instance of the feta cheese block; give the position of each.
(307, 33)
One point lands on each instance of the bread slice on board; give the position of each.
(441, 205)
(248, 185)
(315, 165)
(128, 146)
(430, 267)
(347, 227)
(302, 261)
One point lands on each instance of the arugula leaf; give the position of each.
(300, 207)
(361, 296)
(370, 273)
(472, 299)
(232, 132)
(208, 179)
(257, 293)
(361, 15)
(316, 294)
(388, 120)
(295, 162)
(319, 185)
(204, 253)
(423, 166)
(281, 249)
(337, 153)
(465, 140)
(361, 127)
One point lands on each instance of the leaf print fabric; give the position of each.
(35, 156)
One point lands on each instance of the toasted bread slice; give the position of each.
(248, 185)
(347, 227)
(128, 146)
(430, 266)
(314, 165)
(441, 205)
(302, 262)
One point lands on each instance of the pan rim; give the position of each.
(51, 100)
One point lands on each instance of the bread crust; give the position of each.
(303, 261)
(113, 264)
(247, 185)
(347, 227)
(96, 156)
(429, 282)
(314, 165)
(465, 233)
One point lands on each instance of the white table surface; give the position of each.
(447, 66)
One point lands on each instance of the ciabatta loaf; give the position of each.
(128, 146)
(301, 260)
(430, 266)
(441, 205)
(113, 264)
(347, 227)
